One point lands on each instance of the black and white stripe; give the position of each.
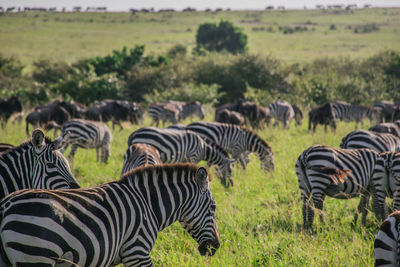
(237, 141)
(386, 182)
(387, 242)
(339, 173)
(387, 127)
(188, 109)
(109, 224)
(35, 164)
(88, 134)
(380, 142)
(348, 112)
(164, 113)
(184, 146)
(282, 111)
(140, 155)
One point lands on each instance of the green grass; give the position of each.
(259, 219)
(72, 36)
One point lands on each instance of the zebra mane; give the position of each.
(168, 167)
(25, 145)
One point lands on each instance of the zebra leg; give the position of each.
(362, 208)
(97, 154)
(320, 206)
(105, 152)
(72, 153)
(308, 213)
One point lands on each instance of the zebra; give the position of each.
(114, 223)
(36, 163)
(387, 127)
(281, 110)
(387, 242)
(386, 182)
(163, 113)
(185, 146)
(88, 134)
(237, 141)
(140, 155)
(380, 142)
(357, 113)
(339, 173)
(188, 109)
(5, 147)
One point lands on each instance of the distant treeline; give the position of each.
(209, 78)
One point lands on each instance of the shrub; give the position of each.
(177, 51)
(47, 72)
(205, 94)
(11, 77)
(224, 36)
(371, 27)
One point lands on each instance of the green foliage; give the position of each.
(86, 87)
(224, 36)
(47, 72)
(11, 77)
(119, 61)
(367, 28)
(205, 94)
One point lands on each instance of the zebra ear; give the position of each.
(38, 138)
(202, 177)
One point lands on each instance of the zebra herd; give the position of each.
(47, 219)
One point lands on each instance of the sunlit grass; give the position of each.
(259, 219)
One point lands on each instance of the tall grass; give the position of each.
(259, 219)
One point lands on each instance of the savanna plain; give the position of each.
(259, 218)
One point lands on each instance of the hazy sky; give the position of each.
(125, 5)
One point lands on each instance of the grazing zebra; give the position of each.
(387, 127)
(281, 110)
(387, 242)
(380, 142)
(357, 113)
(386, 182)
(237, 141)
(339, 173)
(114, 223)
(140, 155)
(185, 146)
(36, 163)
(164, 113)
(188, 109)
(88, 134)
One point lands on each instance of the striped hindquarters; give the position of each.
(380, 142)
(282, 111)
(386, 245)
(140, 155)
(87, 134)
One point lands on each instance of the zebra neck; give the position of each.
(164, 193)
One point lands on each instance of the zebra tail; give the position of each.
(3, 257)
(337, 176)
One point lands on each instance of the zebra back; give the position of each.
(36, 163)
(282, 111)
(387, 242)
(112, 223)
(380, 142)
(235, 140)
(387, 127)
(183, 146)
(140, 155)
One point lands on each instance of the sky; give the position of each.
(125, 5)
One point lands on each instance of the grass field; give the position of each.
(259, 219)
(71, 36)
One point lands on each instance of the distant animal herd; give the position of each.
(47, 219)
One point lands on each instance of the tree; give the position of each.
(224, 36)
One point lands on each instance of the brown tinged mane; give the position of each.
(168, 167)
(24, 145)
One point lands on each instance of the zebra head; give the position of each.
(199, 219)
(50, 165)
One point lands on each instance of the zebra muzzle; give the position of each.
(208, 247)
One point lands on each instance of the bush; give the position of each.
(177, 51)
(371, 27)
(46, 72)
(205, 94)
(224, 36)
(11, 77)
